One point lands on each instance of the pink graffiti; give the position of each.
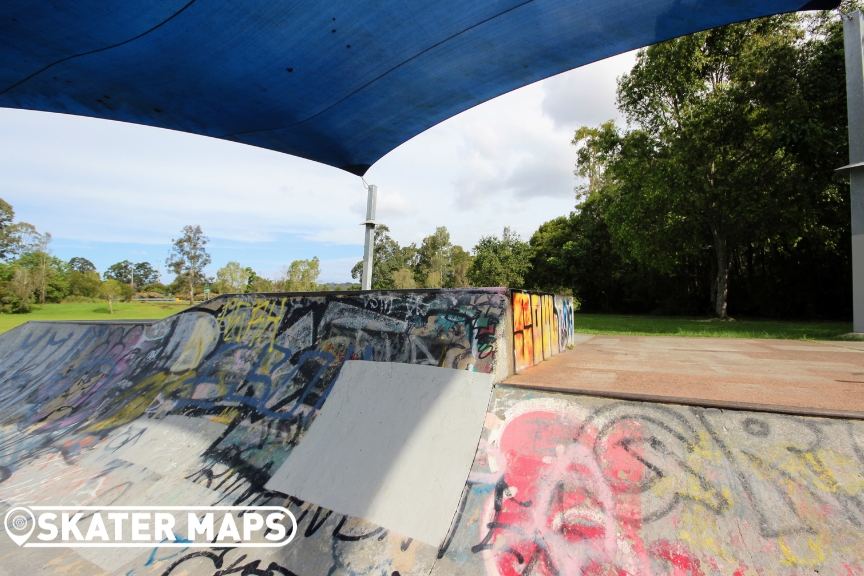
(569, 502)
(561, 513)
(683, 562)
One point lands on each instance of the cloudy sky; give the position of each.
(109, 191)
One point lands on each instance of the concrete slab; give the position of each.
(819, 378)
(569, 484)
(855, 345)
(393, 445)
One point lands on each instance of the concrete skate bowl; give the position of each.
(212, 407)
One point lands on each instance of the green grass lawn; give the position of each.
(93, 311)
(584, 323)
(680, 326)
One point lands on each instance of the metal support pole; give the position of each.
(853, 28)
(369, 245)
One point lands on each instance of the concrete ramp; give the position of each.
(204, 407)
(229, 403)
(393, 445)
(567, 484)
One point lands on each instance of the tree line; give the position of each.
(30, 274)
(719, 195)
(435, 263)
(438, 263)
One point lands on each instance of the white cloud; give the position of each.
(586, 96)
(391, 205)
(350, 235)
(96, 185)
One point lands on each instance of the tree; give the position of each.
(23, 239)
(85, 284)
(48, 275)
(232, 278)
(713, 163)
(157, 287)
(592, 157)
(33, 253)
(121, 272)
(260, 285)
(257, 283)
(433, 259)
(403, 279)
(501, 261)
(82, 265)
(549, 272)
(143, 274)
(300, 276)
(22, 289)
(111, 290)
(6, 217)
(126, 272)
(189, 256)
(460, 264)
(750, 142)
(578, 254)
(44, 257)
(387, 258)
(436, 264)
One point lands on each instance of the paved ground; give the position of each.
(819, 378)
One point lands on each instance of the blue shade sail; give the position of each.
(339, 82)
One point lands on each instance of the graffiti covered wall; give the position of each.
(568, 484)
(542, 327)
(204, 406)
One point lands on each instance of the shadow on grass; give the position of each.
(102, 310)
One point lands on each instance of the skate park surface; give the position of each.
(792, 377)
(393, 427)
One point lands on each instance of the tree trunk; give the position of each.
(721, 282)
(44, 273)
(111, 305)
(191, 290)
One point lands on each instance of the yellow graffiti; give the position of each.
(536, 328)
(200, 342)
(698, 535)
(547, 311)
(251, 322)
(815, 546)
(226, 416)
(138, 398)
(537, 323)
(523, 339)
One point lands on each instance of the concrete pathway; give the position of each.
(815, 378)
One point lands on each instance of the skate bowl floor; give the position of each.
(793, 377)
(375, 419)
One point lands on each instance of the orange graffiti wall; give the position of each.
(542, 327)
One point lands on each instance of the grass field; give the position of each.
(584, 323)
(672, 326)
(93, 311)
